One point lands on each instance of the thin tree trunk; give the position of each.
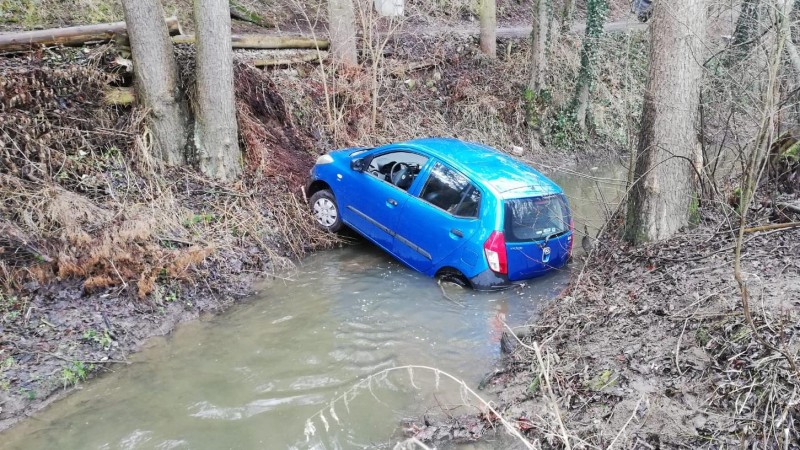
(489, 28)
(216, 133)
(596, 17)
(659, 204)
(566, 15)
(539, 46)
(342, 29)
(745, 35)
(157, 78)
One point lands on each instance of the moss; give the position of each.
(694, 209)
(792, 154)
(55, 13)
(602, 380)
(702, 336)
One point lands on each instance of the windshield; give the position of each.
(531, 219)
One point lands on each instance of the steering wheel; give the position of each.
(400, 175)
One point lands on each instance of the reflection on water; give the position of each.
(251, 378)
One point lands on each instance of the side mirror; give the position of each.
(358, 165)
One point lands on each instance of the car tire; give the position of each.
(326, 211)
(453, 276)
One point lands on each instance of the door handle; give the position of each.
(391, 201)
(457, 232)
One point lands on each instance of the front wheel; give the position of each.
(326, 211)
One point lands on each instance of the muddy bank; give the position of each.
(101, 247)
(651, 349)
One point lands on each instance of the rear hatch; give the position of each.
(538, 235)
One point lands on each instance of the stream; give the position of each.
(329, 342)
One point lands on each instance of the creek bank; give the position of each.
(101, 248)
(650, 348)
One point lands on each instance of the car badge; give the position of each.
(546, 254)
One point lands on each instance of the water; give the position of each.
(251, 378)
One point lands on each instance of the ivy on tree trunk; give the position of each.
(596, 11)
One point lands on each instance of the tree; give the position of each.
(489, 27)
(539, 38)
(216, 132)
(342, 28)
(566, 14)
(664, 186)
(157, 78)
(596, 11)
(746, 32)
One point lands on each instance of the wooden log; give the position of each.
(299, 59)
(71, 36)
(262, 41)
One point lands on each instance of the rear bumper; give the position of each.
(490, 281)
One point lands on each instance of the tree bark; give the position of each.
(664, 189)
(539, 46)
(342, 30)
(216, 132)
(71, 36)
(488, 39)
(157, 78)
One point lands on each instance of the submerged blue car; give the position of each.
(457, 210)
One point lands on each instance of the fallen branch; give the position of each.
(790, 207)
(772, 226)
(286, 61)
(71, 36)
(262, 41)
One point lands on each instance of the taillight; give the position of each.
(495, 250)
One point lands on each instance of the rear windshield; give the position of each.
(532, 219)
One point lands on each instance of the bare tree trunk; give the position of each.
(342, 28)
(489, 27)
(541, 25)
(216, 132)
(659, 204)
(157, 78)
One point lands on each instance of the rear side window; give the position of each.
(452, 192)
(532, 219)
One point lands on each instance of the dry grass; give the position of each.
(86, 200)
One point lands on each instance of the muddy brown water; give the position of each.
(252, 377)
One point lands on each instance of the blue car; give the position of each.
(457, 210)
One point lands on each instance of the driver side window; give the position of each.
(398, 168)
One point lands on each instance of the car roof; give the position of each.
(503, 174)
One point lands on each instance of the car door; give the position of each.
(442, 218)
(376, 199)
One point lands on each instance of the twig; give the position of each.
(772, 226)
(554, 404)
(633, 414)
